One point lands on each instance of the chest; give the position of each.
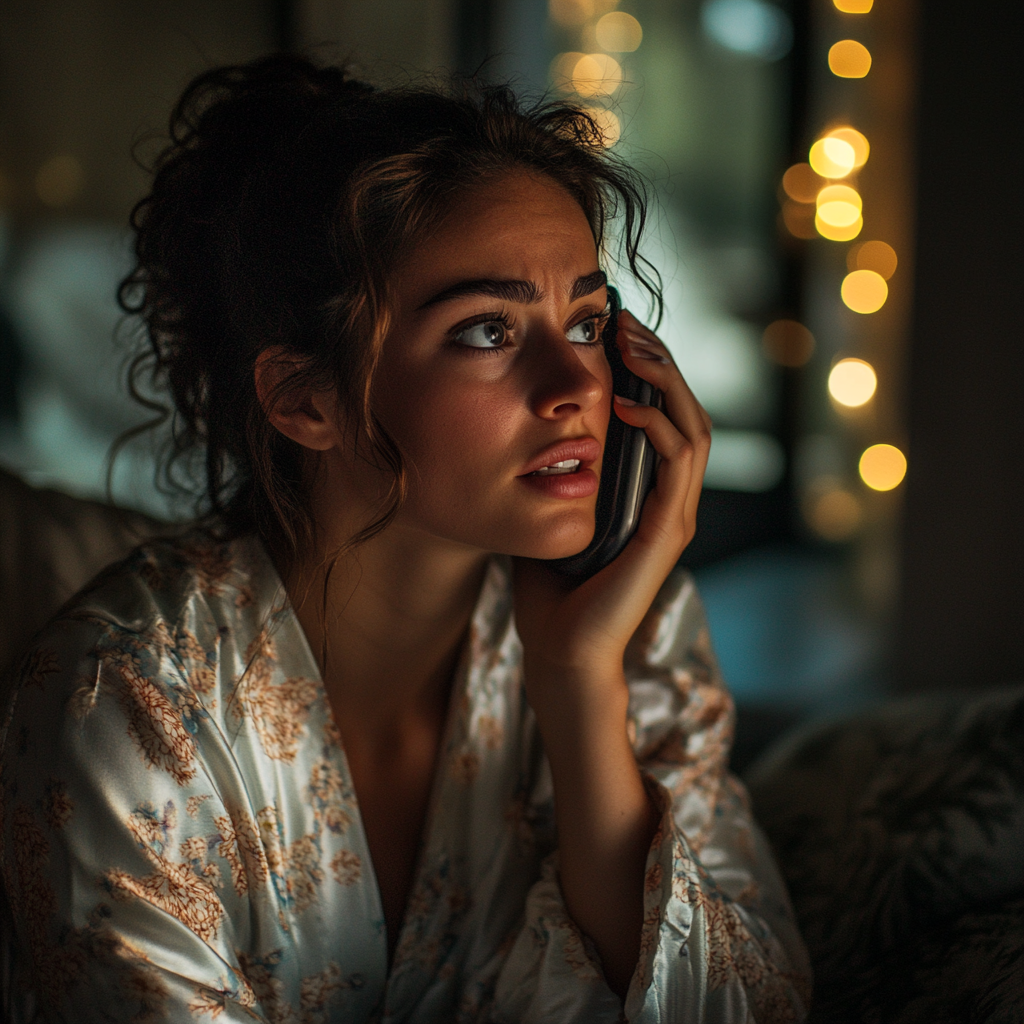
(393, 785)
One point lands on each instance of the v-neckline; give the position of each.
(457, 707)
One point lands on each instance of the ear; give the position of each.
(305, 415)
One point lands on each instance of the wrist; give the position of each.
(574, 698)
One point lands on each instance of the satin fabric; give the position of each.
(181, 839)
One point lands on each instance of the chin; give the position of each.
(561, 541)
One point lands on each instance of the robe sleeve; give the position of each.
(719, 942)
(125, 868)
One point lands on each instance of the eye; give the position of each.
(587, 332)
(491, 334)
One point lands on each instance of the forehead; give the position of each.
(521, 225)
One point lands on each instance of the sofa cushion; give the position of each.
(900, 833)
(51, 545)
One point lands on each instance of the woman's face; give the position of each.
(493, 370)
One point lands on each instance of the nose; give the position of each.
(561, 384)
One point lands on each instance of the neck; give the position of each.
(386, 622)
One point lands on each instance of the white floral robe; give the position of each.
(181, 839)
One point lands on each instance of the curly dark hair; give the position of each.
(286, 193)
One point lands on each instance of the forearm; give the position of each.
(605, 823)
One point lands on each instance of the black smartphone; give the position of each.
(627, 470)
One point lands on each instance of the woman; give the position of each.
(353, 752)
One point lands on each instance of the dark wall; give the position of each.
(962, 616)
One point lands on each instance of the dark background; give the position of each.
(959, 617)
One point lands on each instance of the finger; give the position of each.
(679, 456)
(630, 323)
(684, 459)
(652, 361)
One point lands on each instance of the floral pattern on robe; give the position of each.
(181, 840)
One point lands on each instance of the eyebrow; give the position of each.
(525, 292)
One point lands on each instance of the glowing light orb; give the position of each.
(596, 74)
(849, 59)
(802, 183)
(859, 142)
(835, 233)
(877, 256)
(883, 467)
(787, 343)
(852, 382)
(832, 511)
(607, 123)
(619, 32)
(864, 291)
(832, 158)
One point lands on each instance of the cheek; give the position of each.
(452, 435)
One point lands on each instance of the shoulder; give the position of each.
(148, 632)
(163, 580)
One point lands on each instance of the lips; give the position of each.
(584, 451)
(568, 466)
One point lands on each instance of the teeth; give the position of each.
(567, 466)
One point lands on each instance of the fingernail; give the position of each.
(646, 353)
(638, 339)
(624, 401)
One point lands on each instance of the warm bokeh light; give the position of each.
(573, 13)
(802, 183)
(853, 6)
(835, 233)
(822, 163)
(832, 158)
(562, 68)
(59, 180)
(799, 219)
(864, 291)
(608, 123)
(831, 511)
(839, 205)
(596, 74)
(883, 467)
(619, 32)
(852, 382)
(877, 256)
(849, 59)
(859, 142)
(787, 343)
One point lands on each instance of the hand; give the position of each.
(573, 646)
(582, 633)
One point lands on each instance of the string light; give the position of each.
(619, 32)
(787, 343)
(562, 68)
(596, 74)
(799, 219)
(849, 59)
(839, 206)
(882, 467)
(835, 233)
(607, 123)
(574, 13)
(832, 511)
(877, 256)
(802, 183)
(852, 382)
(832, 158)
(861, 147)
(864, 291)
